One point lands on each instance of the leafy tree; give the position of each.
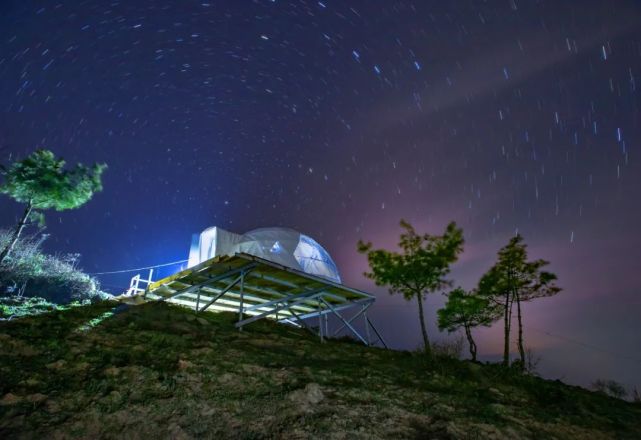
(41, 182)
(513, 280)
(420, 268)
(467, 310)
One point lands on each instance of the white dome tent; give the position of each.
(280, 245)
(267, 273)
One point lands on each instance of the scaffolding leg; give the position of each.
(367, 335)
(347, 324)
(377, 333)
(349, 321)
(242, 297)
(326, 325)
(320, 321)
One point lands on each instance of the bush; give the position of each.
(449, 348)
(610, 387)
(19, 306)
(27, 271)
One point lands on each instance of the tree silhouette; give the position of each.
(41, 182)
(467, 310)
(512, 280)
(419, 269)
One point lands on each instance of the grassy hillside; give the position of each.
(158, 371)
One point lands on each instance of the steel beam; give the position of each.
(228, 274)
(377, 333)
(363, 310)
(345, 322)
(287, 305)
(222, 292)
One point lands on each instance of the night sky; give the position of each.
(338, 118)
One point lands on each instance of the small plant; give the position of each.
(531, 360)
(610, 387)
(30, 272)
(449, 348)
(636, 397)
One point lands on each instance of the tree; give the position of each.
(512, 280)
(419, 269)
(41, 182)
(467, 310)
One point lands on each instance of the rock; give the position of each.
(202, 321)
(112, 371)
(52, 407)
(57, 365)
(310, 395)
(226, 378)
(496, 393)
(177, 433)
(10, 399)
(36, 398)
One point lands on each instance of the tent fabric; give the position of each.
(280, 245)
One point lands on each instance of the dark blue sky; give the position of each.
(337, 118)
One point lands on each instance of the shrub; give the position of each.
(610, 387)
(27, 271)
(449, 348)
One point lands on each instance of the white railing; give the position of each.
(135, 284)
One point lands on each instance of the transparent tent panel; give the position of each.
(280, 245)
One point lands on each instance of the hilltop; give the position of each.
(159, 371)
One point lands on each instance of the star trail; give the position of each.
(338, 118)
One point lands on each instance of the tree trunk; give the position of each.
(471, 342)
(16, 233)
(520, 343)
(426, 341)
(506, 329)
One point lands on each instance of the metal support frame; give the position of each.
(221, 293)
(363, 310)
(345, 322)
(302, 322)
(377, 333)
(242, 297)
(211, 280)
(369, 339)
(320, 321)
(305, 296)
(280, 304)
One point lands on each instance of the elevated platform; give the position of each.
(256, 288)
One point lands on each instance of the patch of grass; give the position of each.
(156, 369)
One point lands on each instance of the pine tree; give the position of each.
(514, 280)
(41, 182)
(467, 310)
(419, 269)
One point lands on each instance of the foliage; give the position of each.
(610, 387)
(42, 181)
(29, 271)
(467, 310)
(421, 266)
(448, 348)
(512, 280)
(19, 306)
